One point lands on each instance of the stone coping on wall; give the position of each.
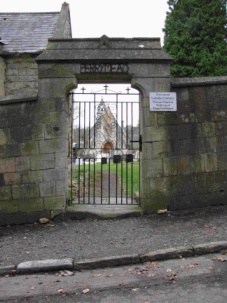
(104, 49)
(10, 99)
(201, 81)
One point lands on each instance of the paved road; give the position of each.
(194, 280)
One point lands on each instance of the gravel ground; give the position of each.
(93, 238)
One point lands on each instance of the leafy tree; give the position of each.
(195, 35)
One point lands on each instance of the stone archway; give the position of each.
(138, 61)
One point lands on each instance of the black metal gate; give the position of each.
(105, 140)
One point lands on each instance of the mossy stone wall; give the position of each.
(188, 152)
(21, 74)
(33, 153)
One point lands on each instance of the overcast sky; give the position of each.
(93, 18)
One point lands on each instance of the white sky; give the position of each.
(94, 18)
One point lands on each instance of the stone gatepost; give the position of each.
(154, 138)
(54, 86)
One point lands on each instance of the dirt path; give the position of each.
(107, 189)
(108, 186)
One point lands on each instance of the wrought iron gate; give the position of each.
(105, 140)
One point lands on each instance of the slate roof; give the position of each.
(26, 32)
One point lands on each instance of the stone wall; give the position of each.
(21, 74)
(184, 153)
(189, 147)
(33, 158)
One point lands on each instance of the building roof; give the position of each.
(29, 32)
(26, 32)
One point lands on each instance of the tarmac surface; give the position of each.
(66, 244)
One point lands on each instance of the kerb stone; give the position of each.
(44, 266)
(165, 254)
(211, 247)
(106, 262)
(7, 270)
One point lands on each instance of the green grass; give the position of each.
(127, 172)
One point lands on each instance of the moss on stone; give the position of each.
(54, 203)
(3, 137)
(5, 193)
(197, 164)
(10, 206)
(30, 190)
(30, 205)
(29, 148)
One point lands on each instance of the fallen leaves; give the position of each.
(172, 277)
(153, 265)
(65, 273)
(219, 259)
(49, 225)
(151, 275)
(14, 272)
(98, 275)
(206, 226)
(135, 289)
(121, 284)
(46, 222)
(163, 211)
(103, 275)
(146, 270)
(192, 265)
(209, 228)
(62, 292)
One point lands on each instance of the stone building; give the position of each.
(106, 135)
(24, 36)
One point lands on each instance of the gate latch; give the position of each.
(140, 142)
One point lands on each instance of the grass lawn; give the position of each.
(127, 172)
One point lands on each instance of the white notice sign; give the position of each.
(164, 102)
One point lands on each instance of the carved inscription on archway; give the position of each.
(103, 68)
